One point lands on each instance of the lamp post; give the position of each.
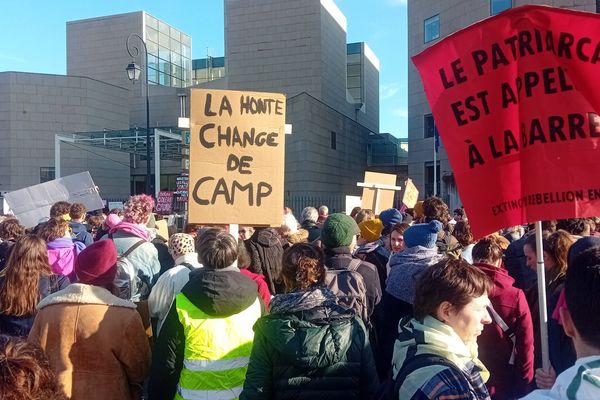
(133, 73)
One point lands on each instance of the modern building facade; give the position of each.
(428, 22)
(298, 48)
(35, 107)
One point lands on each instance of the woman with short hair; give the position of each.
(435, 355)
(309, 347)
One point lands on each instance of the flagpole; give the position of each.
(434, 163)
(541, 282)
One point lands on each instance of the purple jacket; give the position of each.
(61, 256)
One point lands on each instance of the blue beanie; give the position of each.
(390, 217)
(422, 234)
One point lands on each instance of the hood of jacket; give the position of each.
(368, 247)
(309, 329)
(220, 293)
(79, 293)
(77, 227)
(434, 337)
(498, 275)
(405, 268)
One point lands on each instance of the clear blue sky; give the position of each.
(34, 38)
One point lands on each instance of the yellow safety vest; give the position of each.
(217, 351)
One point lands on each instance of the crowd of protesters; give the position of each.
(396, 305)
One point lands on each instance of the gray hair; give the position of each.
(323, 210)
(309, 214)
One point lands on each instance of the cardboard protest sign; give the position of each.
(237, 148)
(386, 197)
(33, 203)
(164, 203)
(516, 100)
(411, 194)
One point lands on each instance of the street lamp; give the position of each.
(133, 73)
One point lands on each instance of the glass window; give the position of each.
(151, 35)
(164, 40)
(353, 81)
(429, 179)
(186, 40)
(152, 61)
(353, 58)
(152, 48)
(175, 34)
(162, 79)
(163, 28)
(497, 6)
(429, 127)
(176, 71)
(333, 140)
(152, 75)
(185, 51)
(151, 21)
(46, 174)
(164, 53)
(175, 46)
(175, 59)
(432, 28)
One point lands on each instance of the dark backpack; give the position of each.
(127, 282)
(266, 252)
(350, 288)
(390, 389)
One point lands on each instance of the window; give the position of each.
(429, 127)
(333, 141)
(497, 6)
(46, 174)
(432, 28)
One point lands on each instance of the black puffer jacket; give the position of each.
(310, 348)
(266, 250)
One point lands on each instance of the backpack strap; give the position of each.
(132, 248)
(188, 265)
(418, 362)
(354, 264)
(506, 329)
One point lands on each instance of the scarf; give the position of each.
(128, 227)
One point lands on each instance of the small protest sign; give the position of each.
(517, 103)
(411, 194)
(237, 148)
(164, 203)
(33, 203)
(378, 191)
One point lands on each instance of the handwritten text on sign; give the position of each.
(516, 103)
(236, 157)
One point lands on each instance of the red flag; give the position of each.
(516, 99)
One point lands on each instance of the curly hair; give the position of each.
(59, 209)
(53, 229)
(11, 229)
(303, 266)
(77, 210)
(25, 372)
(488, 250)
(434, 208)
(28, 260)
(138, 208)
(462, 233)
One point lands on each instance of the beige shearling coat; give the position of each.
(95, 341)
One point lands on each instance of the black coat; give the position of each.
(318, 353)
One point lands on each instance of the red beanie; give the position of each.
(97, 264)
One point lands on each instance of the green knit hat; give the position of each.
(338, 230)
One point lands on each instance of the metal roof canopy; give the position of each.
(167, 145)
